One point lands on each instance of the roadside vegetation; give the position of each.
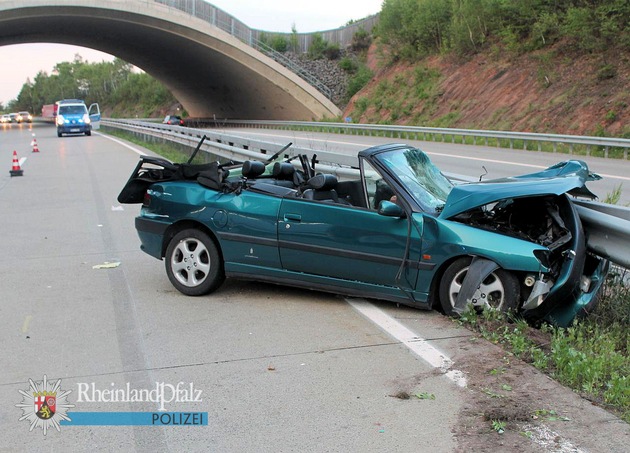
(119, 90)
(590, 357)
(539, 66)
(416, 28)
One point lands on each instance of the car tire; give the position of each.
(59, 134)
(193, 263)
(88, 133)
(501, 288)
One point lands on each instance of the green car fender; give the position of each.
(447, 240)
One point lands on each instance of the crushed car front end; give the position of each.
(537, 208)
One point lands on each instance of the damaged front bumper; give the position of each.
(585, 297)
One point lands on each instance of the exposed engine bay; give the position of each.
(545, 220)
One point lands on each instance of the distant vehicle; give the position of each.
(13, 117)
(6, 118)
(24, 117)
(73, 118)
(49, 112)
(173, 120)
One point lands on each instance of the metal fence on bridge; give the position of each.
(253, 37)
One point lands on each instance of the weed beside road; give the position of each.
(590, 357)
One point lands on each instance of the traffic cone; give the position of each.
(16, 170)
(34, 145)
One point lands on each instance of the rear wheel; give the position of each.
(193, 263)
(498, 291)
(88, 133)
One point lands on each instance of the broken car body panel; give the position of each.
(565, 177)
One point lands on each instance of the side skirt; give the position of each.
(326, 284)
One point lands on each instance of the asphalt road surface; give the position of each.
(278, 369)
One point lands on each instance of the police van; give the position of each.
(73, 117)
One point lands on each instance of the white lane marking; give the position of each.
(419, 346)
(540, 435)
(550, 440)
(135, 150)
(430, 153)
(26, 323)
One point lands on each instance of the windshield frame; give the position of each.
(422, 185)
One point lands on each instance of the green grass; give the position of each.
(165, 149)
(590, 357)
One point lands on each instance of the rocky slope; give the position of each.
(551, 90)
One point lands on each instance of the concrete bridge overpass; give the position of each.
(209, 71)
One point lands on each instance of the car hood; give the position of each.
(564, 177)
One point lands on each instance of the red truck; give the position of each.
(49, 112)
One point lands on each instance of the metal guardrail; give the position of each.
(424, 133)
(608, 226)
(233, 147)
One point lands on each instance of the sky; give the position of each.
(23, 61)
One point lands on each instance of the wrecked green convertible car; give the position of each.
(397, 230)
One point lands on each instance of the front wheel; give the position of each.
(498, 291)
(193, 263)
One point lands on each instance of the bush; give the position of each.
(607, 71)
(580, 26)
(332, 51)
(358, 81)
(279, 43)
(349, 65)
(317, 47)
(361, 40)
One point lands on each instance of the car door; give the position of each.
(95, 116)
(347, 243)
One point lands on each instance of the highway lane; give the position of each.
(279, 369)
(460, 159)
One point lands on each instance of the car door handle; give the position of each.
(292, 217)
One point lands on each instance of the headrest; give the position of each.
(322, 182)
(252, 168)
(283, 170)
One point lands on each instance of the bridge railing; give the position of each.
(608, 226)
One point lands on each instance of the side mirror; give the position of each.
(389, 209)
